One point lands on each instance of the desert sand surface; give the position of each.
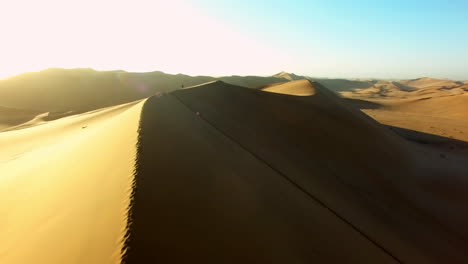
(433, 106)
(219, 173)
(361, 177)
(65, 188)
(11, 117)
(299, 88)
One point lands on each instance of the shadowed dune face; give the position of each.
(433, 118)
(338, 85)
(201, 197)
(239, 192)
(251, 81)
(219, 173)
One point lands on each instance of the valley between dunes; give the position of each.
(219, 173)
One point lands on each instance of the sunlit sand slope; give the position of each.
(299, 88)
(65, 188)
(433, 109)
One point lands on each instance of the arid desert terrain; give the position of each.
(119, 167)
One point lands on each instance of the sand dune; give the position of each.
(288, 76)
(415, 89)
(10, 117)
(430, 82)
(61, 90)
(81, 90)
(438, 107)
(380, 89)
(357, 176)
(213, 201)
(299, 88)
(218, 173)
(338, 85)
(433, 118)
(251, 81)
(65, 188)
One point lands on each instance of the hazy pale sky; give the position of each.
(341, 38)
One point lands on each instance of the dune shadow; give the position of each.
(340, 85)
(404, 87)
(362, 104)
(429, 139)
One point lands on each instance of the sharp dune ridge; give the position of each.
(11, 117)
(215, 172)
(66, 188)
(184, 229)
(200, 210)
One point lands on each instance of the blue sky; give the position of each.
(332, 38)
(360, 38)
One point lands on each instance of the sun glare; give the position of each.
(172, 36)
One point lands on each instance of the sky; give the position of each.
(334, 38)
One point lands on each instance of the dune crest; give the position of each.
(239, 191)
(11, 117)
(299, 88)
(65, 188)
(219, 173)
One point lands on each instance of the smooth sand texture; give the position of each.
(242, 163)
(438, 107)
(219, 173)
(298, 88)
(288, 76)
(430, 82)
(434, 121)
(65, 188)
(201, 197)
(10, 117)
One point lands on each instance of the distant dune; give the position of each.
(10, 117)
(431, 82)
(434, 106)
(288, 76)
(342, 177)
(299, 88)
(79, 90)
(338, 85)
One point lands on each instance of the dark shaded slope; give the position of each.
(251, 81)
(201, 197)
(337, 154)
(339, 85)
